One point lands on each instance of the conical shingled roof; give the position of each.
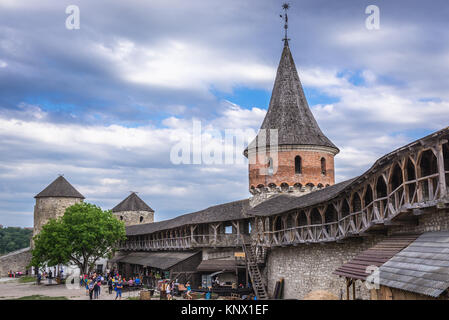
(289, 111)
(132, 203)
(60, 188)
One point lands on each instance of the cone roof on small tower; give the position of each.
(60, 188)
(132, 203)
(289, 111)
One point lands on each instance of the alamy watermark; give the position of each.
(372, 22)
(73, 20)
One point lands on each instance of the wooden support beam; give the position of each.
(441, 172)
(347, 288)
(353, 290)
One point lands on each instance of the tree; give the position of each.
(13, 238)
(84, 234)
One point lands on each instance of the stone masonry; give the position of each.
(134, 217)
(50, 208)
(15, 261)
(307, 268)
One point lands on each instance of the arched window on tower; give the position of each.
(298, 167)
(323, 166)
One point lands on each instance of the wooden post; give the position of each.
(192, 228)
(236, 225)
(353, 289)
(419, 195)
(442, 175)
(347, 288)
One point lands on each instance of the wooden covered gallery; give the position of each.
(215, 234)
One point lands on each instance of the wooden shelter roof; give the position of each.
(159, 260)
(216, 265)
(422, 267)
(375, 256)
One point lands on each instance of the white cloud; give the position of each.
(180, 65)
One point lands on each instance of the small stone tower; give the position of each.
(52, 202)
(133, 210)
(304, 160)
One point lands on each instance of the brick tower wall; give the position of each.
(310, 173)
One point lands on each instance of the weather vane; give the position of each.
(285, 6)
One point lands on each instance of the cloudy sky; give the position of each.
(106, 103)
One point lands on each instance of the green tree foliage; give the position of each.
(84, 234)
(12, 239)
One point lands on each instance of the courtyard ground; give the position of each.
(13, 289)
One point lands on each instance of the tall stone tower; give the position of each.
(133, 210)
(304, 160)
(52, 202)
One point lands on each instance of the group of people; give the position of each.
(49, 276)
(92, 284)
(170, 288)
(114, 281)
(12, 274)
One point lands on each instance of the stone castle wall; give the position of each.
(15, 261)
(50, 208)
(437, 220)
(306, 268)
(135, 217)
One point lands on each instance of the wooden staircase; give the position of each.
(254, 272)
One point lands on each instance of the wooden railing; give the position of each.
(185, 242)
(425, 192)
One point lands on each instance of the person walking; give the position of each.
(90, 288)
(50, 276)
(96, 287)
(86, 283)
(189, 290)
(168, 291)
(110, 284)
(99, 281)
(118, 289)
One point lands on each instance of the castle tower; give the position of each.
(304, 160)
(52, 202)
(133, 210)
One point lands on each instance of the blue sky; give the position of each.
(105, 104)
